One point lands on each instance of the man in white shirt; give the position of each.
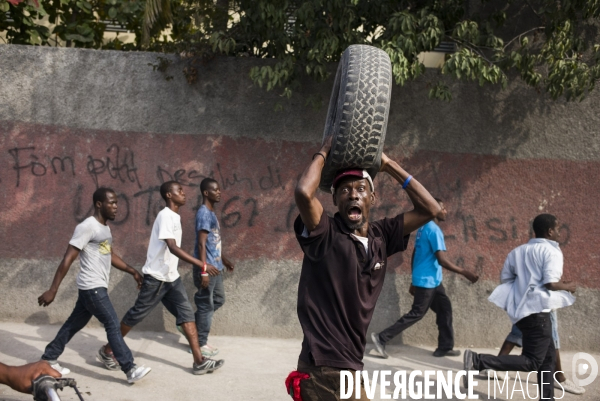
(162, 282)
(530, 289)
(92, 241)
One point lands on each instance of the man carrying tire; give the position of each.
(345, 261)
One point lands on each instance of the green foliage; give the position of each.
(440, 91)
(78, 23)
(18, 22)
(162, 66)
(550, 45)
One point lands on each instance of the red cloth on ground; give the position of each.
(292, 384)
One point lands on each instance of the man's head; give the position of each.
(546, 226)
(441, 216)
(172, 191)
(105, 202)
(353, 194)
(210, 190)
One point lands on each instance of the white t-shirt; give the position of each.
(94, 240)
(160, 262)
(364, 240)
(526, 271)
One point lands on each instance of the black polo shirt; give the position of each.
(339, 287)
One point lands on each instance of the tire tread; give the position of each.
(362, 116)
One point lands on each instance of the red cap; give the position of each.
(352, 172)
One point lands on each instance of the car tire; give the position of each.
(358, 112)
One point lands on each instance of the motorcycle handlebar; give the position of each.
(44, 387)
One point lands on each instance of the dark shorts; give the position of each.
(172, 295)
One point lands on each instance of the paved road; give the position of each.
(255, 368)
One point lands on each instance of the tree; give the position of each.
(18, 22)
(549, 44)
(79, 23)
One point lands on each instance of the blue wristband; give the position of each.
(406, 182)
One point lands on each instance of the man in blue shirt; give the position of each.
(428, 258)
(208, 278)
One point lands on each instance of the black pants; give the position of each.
(538, 354)
(324, 383)
(426, 298)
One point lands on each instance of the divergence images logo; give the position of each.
(584, 364)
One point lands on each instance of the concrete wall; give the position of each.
(71, 120)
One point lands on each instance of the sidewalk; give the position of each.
(255, 368)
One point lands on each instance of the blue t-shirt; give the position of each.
(427, 272)
(206, 220)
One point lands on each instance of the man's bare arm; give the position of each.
(446, 264)
(210, 269)
(181, 254)
(70, 255)
(120, 264)
(20, 378)
(309, 206)
(227, 263)
(425, 207)
(562, 286)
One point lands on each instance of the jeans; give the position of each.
(172, 295)
(516, 337)
(538, 354)
(94, 302)
(207, 300)
(425, 299)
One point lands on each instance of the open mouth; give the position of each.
(354, 213)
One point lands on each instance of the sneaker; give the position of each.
(60, 369)
(379, 345)
(468, 364)
(207, 366)
(208, 351)
(569, 387)
(137, 373)
(109, 360)
(450, 352)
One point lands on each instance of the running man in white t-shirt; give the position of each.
(162, 282)
(92, 241)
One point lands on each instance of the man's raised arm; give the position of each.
(309, 206)
(426, 208)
